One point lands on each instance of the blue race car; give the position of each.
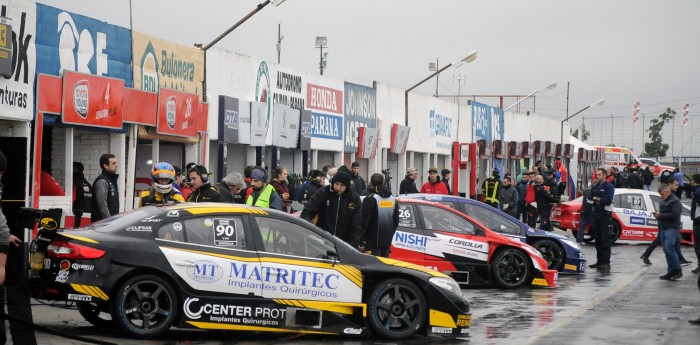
(562, 253)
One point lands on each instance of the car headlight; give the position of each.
(572, 243)
(448, 284)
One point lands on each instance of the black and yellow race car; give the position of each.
(230, 267)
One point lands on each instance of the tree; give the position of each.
(584, 132)
(656, 148)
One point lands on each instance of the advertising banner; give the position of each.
(202, 117)
(360, 111)
(488, 122)
(177, 113)
(228, 119)
(92, 101)
(140, 107)
(399, 138)
(81, 44)
(5, 48)
(159, 63)
(17, 90)
(368, 139)
(305, 132)
(258, 123)
(285, 129)
(244, 122)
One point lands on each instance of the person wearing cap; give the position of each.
(408, 184)
(434, 185)
(550, 183)
(317, 180)
(490, 187)
(380, 218)
(202, 190)
(446, 175)
(358, 183)
(263, 194)
(337, 210)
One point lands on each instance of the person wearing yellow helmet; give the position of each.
(161, 192)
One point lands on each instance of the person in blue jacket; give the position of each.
(601, 198)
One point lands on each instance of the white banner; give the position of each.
(285, 126)
(17, 91)
(243, 122)
(258, 123)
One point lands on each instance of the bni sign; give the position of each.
(5, 47)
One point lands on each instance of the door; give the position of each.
(635, 216)
(409, 242)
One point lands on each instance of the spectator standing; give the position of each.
(550, 183)
(678, 176)
(508, 198)
(490, 187)
(657, 240)
(202, 190)
(105, 202)
(263, 194)
(408, 184)
(446, 175)
(337, 210)
(648, 178)
(281, 185)
(669, 224)
(601, 198)
(235, 183)
(358, 183)
(544, 200)
(434, 185)
(225, 192)
(380, 218)
(521, 187)
(634, 179)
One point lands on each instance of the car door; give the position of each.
(410, 239)
(211, 253)
(492, 219)
(637, 221)
(295, 263)
(453, 238)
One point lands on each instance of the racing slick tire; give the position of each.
(397, 309)
(511, 268)
(552, 253)
(615, 231)
(91, 313)
(145, 306)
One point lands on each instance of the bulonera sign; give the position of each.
(90, 100)
(177, 113)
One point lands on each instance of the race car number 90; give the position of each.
(224, 232)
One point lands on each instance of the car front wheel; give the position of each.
(145, 306)
(511, 268)
(397, 309)
(552, 253)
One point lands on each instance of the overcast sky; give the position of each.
(622, 50)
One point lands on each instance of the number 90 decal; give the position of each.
(224, 232)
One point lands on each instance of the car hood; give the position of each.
(542, 233)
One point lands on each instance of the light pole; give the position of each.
(322, 42)
(471, 56)
(599, 102)
(546, 88)
(224, 34)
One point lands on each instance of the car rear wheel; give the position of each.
(552, 253)
(511, 268)
(397, 309)
(92, 313)
(615, 234)
(145, 306)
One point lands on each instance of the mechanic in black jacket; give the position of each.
(380, 218)
(337, 209)
(601, 199)
(544, 201)
(408, 185)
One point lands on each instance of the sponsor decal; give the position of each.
(173, 214)
(177, 226)
(205, 271)
(171, 111)
(409, 241)
(325, 99)
(151, 219)
(139, 228)
(637, 220)
(326, 126)
(287, 280)
(62, 276)
(224, 232)
(635, 233)
(49, 224)
(540, 282)
(464, 321)
(64, 265)
(227, 313)
(386, 204)
(82, 298)
(208, 222)
(352, 331)
(150, 80)
(83, 267)
(440, 125)
(442, 330)
(81, 97)
(652, 222)
(641, 213)
(570, 267)
(466, 243)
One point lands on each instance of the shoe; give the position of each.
(676, 275)
(665, 277)
(696, 271)
(604, 267)
(645, 259)
(595, 265)
(685, 262)
(694, 322)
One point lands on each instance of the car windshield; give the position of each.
(119, 221)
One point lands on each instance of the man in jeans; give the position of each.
(601, 197)
(669, 217)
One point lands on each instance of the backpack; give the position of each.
(530, 194)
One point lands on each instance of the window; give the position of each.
(283, 237)
(407, 216)
(447, 203)
(617, 200)
(632, 201)
(438, 219)
(491, 219)
(656, 201)
(224, 232)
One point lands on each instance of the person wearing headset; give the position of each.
(161, 192)
(202, 191)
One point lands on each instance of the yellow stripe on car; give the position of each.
(222, 326)
(441, 319)
(336, 307)
(398, 263)
(93, 291)
(79, 238)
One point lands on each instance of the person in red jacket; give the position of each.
(434, 185)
